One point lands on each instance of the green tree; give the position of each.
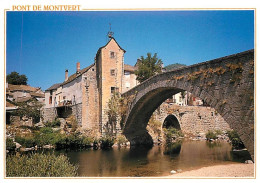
(148, 67)
(16, 79)
(113, 113)
(174, 66)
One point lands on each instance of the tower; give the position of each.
(110, 70)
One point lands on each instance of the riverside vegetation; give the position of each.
(39, 165)
(52, 136)
(234, 139)
(36, 164)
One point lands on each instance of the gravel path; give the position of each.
(229, 170)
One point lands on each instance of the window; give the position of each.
(127, 85)
(112, 54)
(127, 74)
(114, 90)
(50, 100)
(112, 72)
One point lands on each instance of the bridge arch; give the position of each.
(171, 121)
(225, 84)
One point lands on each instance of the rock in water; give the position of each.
(248, 162)
(173, 172)
(179, 170)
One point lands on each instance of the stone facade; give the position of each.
(49, 114)
(110, 61)
(193, 119)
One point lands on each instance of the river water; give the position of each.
(155, 161)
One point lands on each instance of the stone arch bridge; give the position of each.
(225, 84)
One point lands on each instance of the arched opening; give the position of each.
(171, 121)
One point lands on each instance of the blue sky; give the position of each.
(42, 45)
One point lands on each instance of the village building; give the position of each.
(86, 93)
(21, 94)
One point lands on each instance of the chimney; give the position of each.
(66, 74)
(78, 67)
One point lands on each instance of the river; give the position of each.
(155, 161)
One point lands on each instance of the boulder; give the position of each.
(47, 146)
(249, 162)
(173, 172)
(17, 145)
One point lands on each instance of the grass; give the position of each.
(10, 145)
(39, 165)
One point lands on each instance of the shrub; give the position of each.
(218, 132)
(42, 139)
(55, 123)
(10, 145)
(46, 130)
(106, 142)
(32, 128)
(235, 140)
(211, 135)
(72, 123)
(61, 142)
(172, 134)
(28, 141)
(155, 125)
(73, 141)
(121, 139)
(46, 136)
(39, 165)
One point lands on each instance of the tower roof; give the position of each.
(107, 44)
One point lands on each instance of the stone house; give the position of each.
(21, 93)
(86, 93)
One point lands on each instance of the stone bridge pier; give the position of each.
(225, 84)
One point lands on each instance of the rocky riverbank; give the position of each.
(228, 170)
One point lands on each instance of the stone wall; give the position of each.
(49, 114)
(18, 121)
(77, 112)
(193, 119)
(90, 100)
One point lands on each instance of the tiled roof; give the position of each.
(75, 75)
(23, 99)
(9, 104)
(33, 94)
(129, 68)
(107, 44)
(12, 87)
(53, 87)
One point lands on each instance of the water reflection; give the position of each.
(173, 149)
(155, 161)
(213, 144)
